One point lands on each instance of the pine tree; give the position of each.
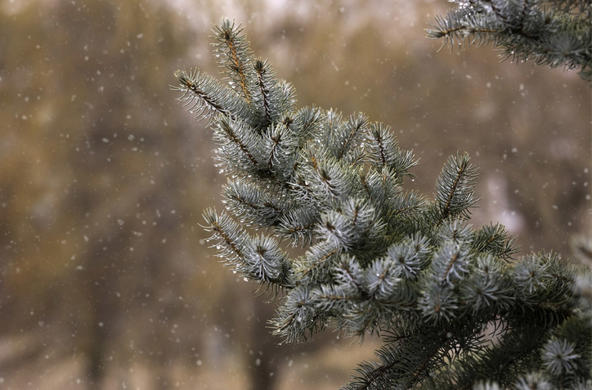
(549, 32)
(454, 304)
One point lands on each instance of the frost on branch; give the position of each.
(455, 307)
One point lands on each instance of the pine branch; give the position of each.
(258, 258)
(234, 54)
(553, 33)
(206, 98)
(346, 139)
(230, 134)
(249, 202)
(299, 224)
(455, 187)
(494, 239)
(378, 258)
(261, 70)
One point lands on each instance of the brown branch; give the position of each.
(454, 185)
(230, 133)
(300, 228)
(259, 68)
(218, 229)
(381, 147)
(356, 212)
(320, 261)
(276, 141)
(349, 139)
(253, 205)
(191, 86)
(451, 262)
(403, 210)
(238, 66)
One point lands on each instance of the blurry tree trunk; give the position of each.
(96, 362)
(104, 312)
(263, 364)
(100, 323)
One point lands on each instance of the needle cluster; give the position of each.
(455, 306)
(548, 32)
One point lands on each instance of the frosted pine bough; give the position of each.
(548, 32)
(455, 308)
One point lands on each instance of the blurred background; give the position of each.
(106, 281)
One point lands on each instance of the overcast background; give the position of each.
(105, 279)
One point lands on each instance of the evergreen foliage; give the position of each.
(455, 307)
(549, 32)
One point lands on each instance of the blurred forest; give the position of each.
(106, 281)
